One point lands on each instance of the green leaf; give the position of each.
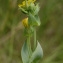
(34, 57)
(34, 9)
(34, 20)
(25, 53)
(37, 54)
(37, 8)
(23, 10)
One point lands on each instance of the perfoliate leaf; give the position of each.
(33, 57)
(37, 8)
(38, 20)
(25, 53)
(34, 9)
(34, 20)
(37, 54)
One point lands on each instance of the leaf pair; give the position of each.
(34, 57)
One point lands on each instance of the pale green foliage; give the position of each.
(37, 54)
(34, 57)
(25, 53)
(34, 20)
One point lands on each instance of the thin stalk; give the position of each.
(29, 44)
(35, 38)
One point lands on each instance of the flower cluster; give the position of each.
(30, 8)
(28, 3)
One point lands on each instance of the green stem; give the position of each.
(34, 38)
(29, 44)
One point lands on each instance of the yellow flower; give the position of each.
(24, 3)
(25, 22)
(29, 1)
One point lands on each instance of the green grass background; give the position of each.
(49, 34)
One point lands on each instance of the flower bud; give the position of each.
(25, 22)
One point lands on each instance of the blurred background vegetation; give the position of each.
(49, 34)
